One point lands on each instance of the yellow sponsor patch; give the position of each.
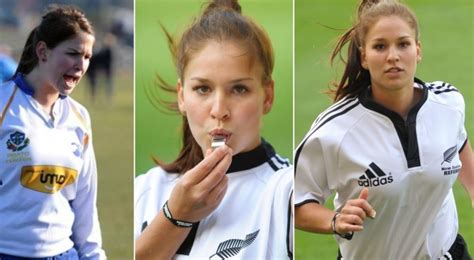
(47, 178)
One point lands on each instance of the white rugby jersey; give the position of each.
(48, 177)
(409, 169)
(253, 221)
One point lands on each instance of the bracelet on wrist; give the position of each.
(347, 236)
(176, 222)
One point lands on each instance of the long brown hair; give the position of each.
(221, 20)
(355, 78)
(59, 23)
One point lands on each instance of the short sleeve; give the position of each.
(311, 182)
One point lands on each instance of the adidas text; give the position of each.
(375, 182)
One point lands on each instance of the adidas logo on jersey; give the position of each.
(374, 176)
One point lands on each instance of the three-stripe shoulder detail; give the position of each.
(336, 110)
(277, 162)
(439, 87)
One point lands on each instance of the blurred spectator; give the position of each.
(102, 62)
(7, 63)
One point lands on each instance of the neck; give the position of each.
(398, 100)
(45, 94)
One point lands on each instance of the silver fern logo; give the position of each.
(448, 157)
(232, 247)
(449, 154)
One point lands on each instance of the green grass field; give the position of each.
(158, 133)
(112, 125)
(447, 34)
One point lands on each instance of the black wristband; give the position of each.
(176, 222)
(347, 236)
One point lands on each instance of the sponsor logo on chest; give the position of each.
(374, 176)
(47, 178)
(15, 144)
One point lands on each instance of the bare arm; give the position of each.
(466, 176)
(313, 217)
(193, 198)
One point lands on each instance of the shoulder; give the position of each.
(334, 122)
(445, 94)
(152, 179)
(338, 117)
(79, 108)
(6, 91)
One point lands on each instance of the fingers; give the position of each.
(363, 196)
(354, 213)
(202, 169)
(216, 175)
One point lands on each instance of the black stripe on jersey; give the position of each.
(281, 160)
(306, 202)
(289, 229)
(335, 107)
(446, 90)
(370, 174)
(273, 165)
(187, 244)
(316, 127)
(251, 159)
(464, 144)
(144, 225)
(443, 88)
(377, 170)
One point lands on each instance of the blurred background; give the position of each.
(106, 91)
(447, 34)
(158, 133)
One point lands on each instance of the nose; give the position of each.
(393, 54)
(220, 107)
(82, 64)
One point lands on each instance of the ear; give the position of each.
(179, 89)
(363, 58)
(418, 51)
(269, 92)
(41, 51)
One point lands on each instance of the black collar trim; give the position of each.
(406, 130)
(248, 160)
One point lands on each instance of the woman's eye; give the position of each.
(379, 46)
(240, 89)
(404, 44)
(202, 89)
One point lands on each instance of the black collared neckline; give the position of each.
(251, 159)
(406, 130)
(26, 88)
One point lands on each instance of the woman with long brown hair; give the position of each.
(48, 175)
(391, 148)
(228, 192)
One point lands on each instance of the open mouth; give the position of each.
(71, 80)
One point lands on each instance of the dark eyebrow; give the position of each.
(399, 38)
(203, 80)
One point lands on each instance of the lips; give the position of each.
(393, 70)
(220, 133)
(71, 80)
